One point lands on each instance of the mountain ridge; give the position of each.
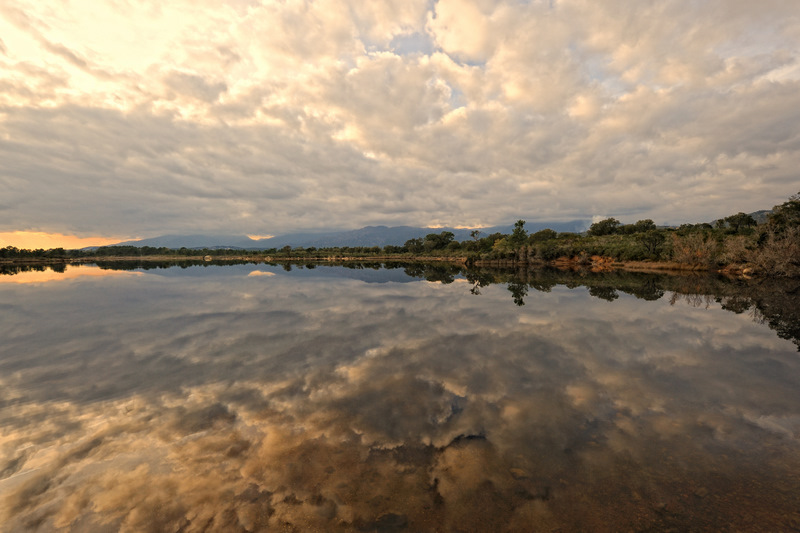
(366, 236)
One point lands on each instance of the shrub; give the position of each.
(695, 249)
(780, 255)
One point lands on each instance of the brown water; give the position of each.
(249, 398)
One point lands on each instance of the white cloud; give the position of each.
(147, 118)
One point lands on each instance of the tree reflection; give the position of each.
(518, 292)
(775, 302)
(604, 293)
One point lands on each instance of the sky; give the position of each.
(125, 118)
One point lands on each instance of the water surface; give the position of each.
(252, 398)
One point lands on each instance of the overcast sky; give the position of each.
(139, 118)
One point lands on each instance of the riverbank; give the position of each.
(593, 263)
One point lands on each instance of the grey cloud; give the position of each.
(69, 55)
(22, 20)
(110, 162)
(413, 43)
(194, 86)
(300, 117)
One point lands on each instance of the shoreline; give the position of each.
(595, 264)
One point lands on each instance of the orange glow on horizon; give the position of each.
(71, 272)
(33, 240)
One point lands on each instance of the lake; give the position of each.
(257, 397)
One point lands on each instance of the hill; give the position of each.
(366, 236)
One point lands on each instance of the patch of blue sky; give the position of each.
(595, 68)
(457, 98)
(412, 44)
(432, 7)
(469, 62)
(549, 3)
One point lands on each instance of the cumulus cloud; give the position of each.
(263, 117)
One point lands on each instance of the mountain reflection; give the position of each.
(210, 399)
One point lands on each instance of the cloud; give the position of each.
(264, 117)
(194, 86)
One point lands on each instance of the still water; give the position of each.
(250, 397)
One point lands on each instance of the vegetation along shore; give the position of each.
(736, 244)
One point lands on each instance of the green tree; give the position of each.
(487, 243)
(644, 225)
(414, 245)
(609, 226)
(787, 214)
(739, 222)
(651, 241)
(518, 236)
(392, 249)
(501, 246)
(437, 241)
(542, 235)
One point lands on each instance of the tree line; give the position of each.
(771, 248)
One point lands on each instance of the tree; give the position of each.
(519, 236)
(414, 245)
(639, 227)
(644, 225)
(56, 252)
(487, 243)
(437, 241)
(651, 241)
(787, 214)
(740, 221)
(543, 235)
(608, 226)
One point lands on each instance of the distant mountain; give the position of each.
(367, 236)
(761, 216)
(195, 241)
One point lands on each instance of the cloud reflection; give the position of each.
(70, 272)
(260, 273)
(338, 405)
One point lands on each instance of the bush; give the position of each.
(737, 249)
(695, 249)
(780, 255)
